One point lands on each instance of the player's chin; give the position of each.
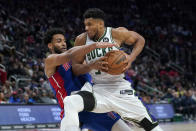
(91, 36)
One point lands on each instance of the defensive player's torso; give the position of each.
(64, 82)
(98, 76)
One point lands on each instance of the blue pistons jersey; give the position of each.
(63, 82)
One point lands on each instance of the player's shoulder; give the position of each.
(119, 29)
(117, 32)
(80, 39)
(48, 57)
(48, 60)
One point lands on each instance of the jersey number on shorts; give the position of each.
(98, 72)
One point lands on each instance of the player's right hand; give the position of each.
(104, 44)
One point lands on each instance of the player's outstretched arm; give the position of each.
(82, 50)
(54, 60)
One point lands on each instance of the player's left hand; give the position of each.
(128, 62)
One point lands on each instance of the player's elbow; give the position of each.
(75, 70)
(142, 40)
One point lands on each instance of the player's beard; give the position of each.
(96, 37)
(57, 51)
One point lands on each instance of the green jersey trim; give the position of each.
(111, 35)
(103, 35)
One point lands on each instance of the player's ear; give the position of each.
(100, 22)
(50, 46)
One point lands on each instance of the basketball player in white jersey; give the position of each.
(64, 82)
(112, 92)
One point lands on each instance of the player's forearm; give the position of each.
(80, 69)
(137, 49)
(82, 50)
(73, 53)
(57, 59)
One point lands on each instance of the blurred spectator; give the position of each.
(52, 97)
(3, 73)
(168, 95)
(194, 95)
(189, 105)
(177, 103)
(7, 89)
(35, 96)
(14, 98)
(3, 76)
(27, 100)
(2, 98)
(45, 98)
(44, 84)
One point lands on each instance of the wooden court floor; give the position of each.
(180, 126)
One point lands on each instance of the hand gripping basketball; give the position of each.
(116, 62)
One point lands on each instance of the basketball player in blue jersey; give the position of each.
(112, 92)
(59, 72)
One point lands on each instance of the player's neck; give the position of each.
(100, 33)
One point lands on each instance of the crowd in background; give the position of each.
(166, 65)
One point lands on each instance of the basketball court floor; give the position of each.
(178, 126)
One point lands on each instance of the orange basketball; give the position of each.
(116, 59)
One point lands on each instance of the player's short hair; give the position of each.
(49, 34)
(94, 13)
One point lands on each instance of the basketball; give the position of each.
(116, 59)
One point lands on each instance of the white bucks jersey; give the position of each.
(98, 76)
